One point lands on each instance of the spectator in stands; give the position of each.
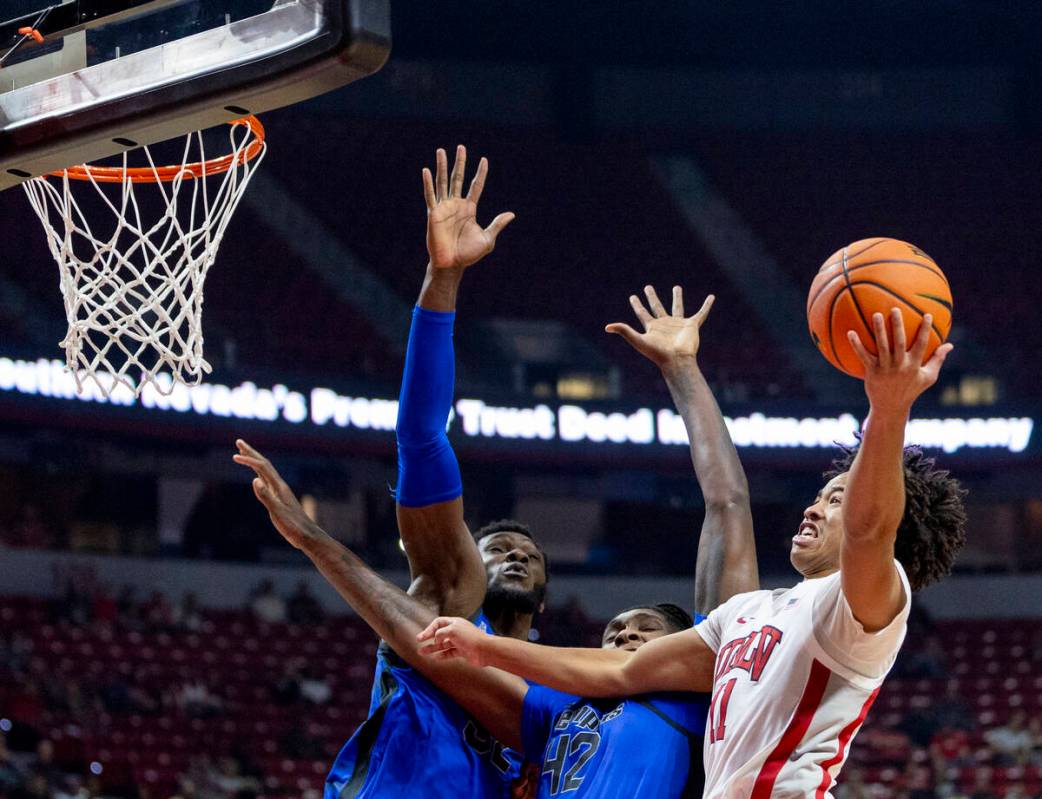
(299, 744)
(230, 780)
(1013, 742)
(853, 786)
(952, 711)
(1017, 791)
(130, 610)
(303, 607)
(157, 613)
(982, 782)
(951, 748)
(104, 610)
(1035, 728)
(74, 605)
(267, 605)
(15, 650)
(24, 708)
(196, 700)
(186, 615)
(925, 662)
(313, 688)
(286, 691)
(35, 787)
(45, 767)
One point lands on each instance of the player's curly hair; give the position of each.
(514, 526)
(933, 528)
(676, 617)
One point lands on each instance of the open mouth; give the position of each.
(807, 533)
(515, 570)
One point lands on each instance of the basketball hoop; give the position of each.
(134, 294)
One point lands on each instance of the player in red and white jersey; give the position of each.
(795, 671)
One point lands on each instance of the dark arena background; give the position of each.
(159, 639)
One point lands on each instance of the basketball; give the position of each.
(873, 276)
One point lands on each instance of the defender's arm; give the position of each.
(493, 697)
(447, 571)
(726, 562)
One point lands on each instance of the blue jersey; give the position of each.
(418, 742)
(616, 748)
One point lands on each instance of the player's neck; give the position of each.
(820, 572)
(510, 624)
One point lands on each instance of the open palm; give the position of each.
(454, 237)
(667, 337)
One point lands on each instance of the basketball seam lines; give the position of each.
(856, 254)
(854, 268)
(853, 296)
(897, 296)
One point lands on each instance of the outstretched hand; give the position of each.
(453, 638)
(283, 507)
(668, 337)
(454, 237)
(896, 377)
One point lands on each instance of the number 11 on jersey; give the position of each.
(718, 710)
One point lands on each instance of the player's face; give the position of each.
(514, 564)
(634, 628)
(815, 547)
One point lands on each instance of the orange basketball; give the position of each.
(873, 276)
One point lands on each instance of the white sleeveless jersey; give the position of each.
(795, 677)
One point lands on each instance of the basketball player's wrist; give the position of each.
(440, 287)
(677, 370)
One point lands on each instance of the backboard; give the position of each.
(83, 80)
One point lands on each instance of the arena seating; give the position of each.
(992, 664)
(593, 225)
(968, 200)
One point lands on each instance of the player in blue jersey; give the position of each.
(587, 747)
(496, 578)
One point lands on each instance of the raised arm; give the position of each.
(678, 662)
(726, 562)
(493, 697)
(447, 571)
(874, 496)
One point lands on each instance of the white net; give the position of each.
(134, 258)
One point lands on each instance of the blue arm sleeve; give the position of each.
(428, 472)
(537, 719)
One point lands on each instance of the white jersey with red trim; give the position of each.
(796, 674)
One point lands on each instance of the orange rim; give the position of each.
(167, 174)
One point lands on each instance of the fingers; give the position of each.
(641, 312)
(497, 225)
(897, 323)
(261, 465)
(703, 312)
(477, 185)
(458, 170)
(867, 358)
(428, 190)
(653, 302)
(678, 302)
(432, 628)
(443, 173)
(933, 366)
(632, 336)
(922, 340)
(882, 340)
